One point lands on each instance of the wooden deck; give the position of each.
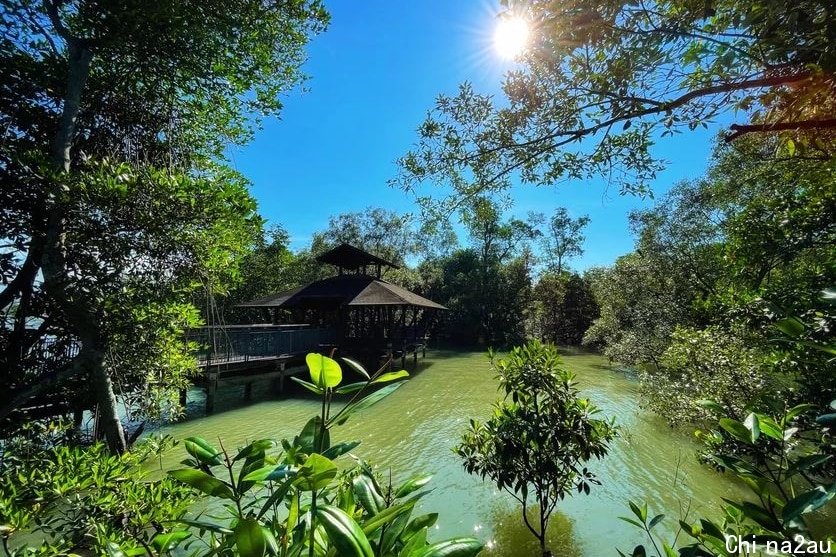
(245, 354)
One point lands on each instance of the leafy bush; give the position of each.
(540, 435)
(787, 466)
(79, 499)
(711, 364)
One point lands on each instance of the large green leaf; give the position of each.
(809, 501)
(202, 481)
(340, 449)
(753, 424)
(370, 400)
(736, 430)
(313, 438)
(202, 451)
(269, 473)
(325, 372)
(169, 540)
(316, 473)
(343, 532)
(457, 547)
(250, 539)
(367, 494)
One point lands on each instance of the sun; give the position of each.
(511, 36)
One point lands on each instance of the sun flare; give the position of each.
(511, 36)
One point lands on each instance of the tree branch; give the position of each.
(742, 129)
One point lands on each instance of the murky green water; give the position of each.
(413, 430)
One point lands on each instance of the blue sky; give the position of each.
(374, 74)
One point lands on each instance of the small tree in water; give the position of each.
(540, 435)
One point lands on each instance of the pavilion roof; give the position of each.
(345, 290)
(347, 256)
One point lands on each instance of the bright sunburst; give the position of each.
(511, 36)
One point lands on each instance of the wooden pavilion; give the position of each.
(367, 315)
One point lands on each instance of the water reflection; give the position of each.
(511, 538)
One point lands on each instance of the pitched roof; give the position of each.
(350, 257)
(345, 290)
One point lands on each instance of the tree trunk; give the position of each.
(109, 426)
(79, 312)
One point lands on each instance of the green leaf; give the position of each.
(366, 402)
(808, 502)
(386, 516)
(255, 447)
(350, 388)
(710, 405)
(356, 367)
(419, 523)
(250, 539)
(769, 428)
(207, 526)
(412, 485)
(343, 532)
(269, 473)
(736, 429)
(806, 462)
(456, 547)
(325, 372)
(790, 326)
(796, 411)
(278, 495)
(202, 481)
(310, 386)
(390, 376)
(366, 492)
(169, 540)
(655, 520)
(641, 513)
(313, 437)
(753, 425)
(340, 449)
(316, 473)
(202, 451)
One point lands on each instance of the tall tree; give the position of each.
(164, 85)
(600, 81)
(562, 239)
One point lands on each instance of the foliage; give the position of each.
(564, 308)
(787, 464)
(540, 436)
(299, 502)
(115, 116)
(562, 239)
(601, 81)
(79, 499)
(722, 260)
(711, 363)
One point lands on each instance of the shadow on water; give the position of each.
(511, 538)
(231, 397)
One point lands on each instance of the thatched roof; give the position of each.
(345, 290)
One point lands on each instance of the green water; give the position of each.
(412, 431)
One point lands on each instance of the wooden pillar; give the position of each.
(281, 376)
(415, 356)
(211, 389)
(183, 397)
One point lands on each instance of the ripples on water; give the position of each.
(413, 431)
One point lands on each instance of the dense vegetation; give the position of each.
(122, 226)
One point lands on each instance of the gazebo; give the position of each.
(369, 316)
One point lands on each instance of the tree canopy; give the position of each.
(601, 81)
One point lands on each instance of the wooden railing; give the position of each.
(243, 343)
